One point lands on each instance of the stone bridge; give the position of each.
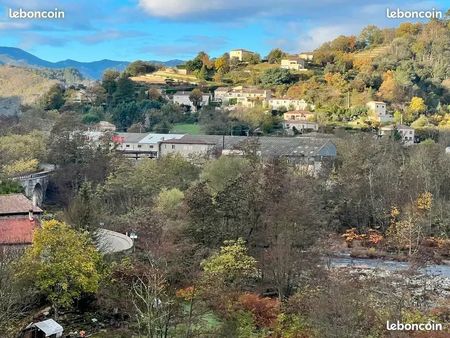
(35, 185)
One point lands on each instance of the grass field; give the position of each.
(186, 128)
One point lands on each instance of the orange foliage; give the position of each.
(265, 310)
(187, 293)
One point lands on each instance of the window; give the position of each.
(151, 147)
(139, 146)
(173, 146)
(128, 146)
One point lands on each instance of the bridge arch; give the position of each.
(37, 194)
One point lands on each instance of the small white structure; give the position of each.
(447, 150)
(406, 133)
(48, 327)
(242, 96)
(182, 98)
(293, 63)
(293, 126)
(378, 108)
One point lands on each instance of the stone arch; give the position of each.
(38, 195)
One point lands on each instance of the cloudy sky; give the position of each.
(168, 29)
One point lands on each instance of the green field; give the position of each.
(186, 128)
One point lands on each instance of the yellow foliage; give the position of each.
(424, 201)
(21, 167)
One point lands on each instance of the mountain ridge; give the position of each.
(92, 69)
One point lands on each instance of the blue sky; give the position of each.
(169, 29)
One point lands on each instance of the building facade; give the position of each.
(293, 64)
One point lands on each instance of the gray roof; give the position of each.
(49, 327)
(271, 146)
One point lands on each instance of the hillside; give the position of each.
(20, 86)
(93, 70)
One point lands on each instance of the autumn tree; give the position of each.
(62, 264)
(196, 97)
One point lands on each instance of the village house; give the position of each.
(378, 109)
(138, 146)
(247, 97)
(182, 98)
(406, 133)
(307, 56)
(18, 220)
(298, 115)
(240, 54)
(289, 104)
(293, 63)
(298, 126)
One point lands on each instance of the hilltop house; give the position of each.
(239, 54)
(378, 109)
(246, 97)
(406, 133)
(289, 104)
(182, 98)
(18, 219)
(307, 56)
(293, 63)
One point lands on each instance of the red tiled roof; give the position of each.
(16, 230)
(16, 204)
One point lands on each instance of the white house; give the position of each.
(240, 54)
(378, 108)
(182, 98)
(293, 63)
(405, 132)
(292, 126)
(246, 97)
(289, 104)
(298, 115)
(307, 56)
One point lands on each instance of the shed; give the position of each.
(47, 328)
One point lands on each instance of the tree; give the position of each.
(15, 299)
(62, 264)
(231, 265)
(275, 55)
(276, 76)
(83, 212)
(252, 58)
(124, 91)
(139, 67)
(219, 173)
(196, 97)
(168, 201)
(371, 36)
(417, 105)
(54, 98)
(153, 305)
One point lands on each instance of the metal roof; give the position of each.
(49, 327)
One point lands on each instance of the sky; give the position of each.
(178, 29)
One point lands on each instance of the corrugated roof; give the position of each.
(16, 231)
(49, 327)
(16, 204)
